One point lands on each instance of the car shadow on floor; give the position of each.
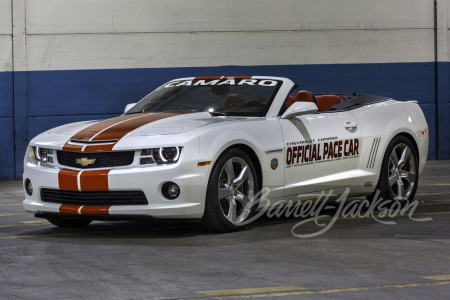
(153, 232)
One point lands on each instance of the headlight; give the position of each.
(160, 156)
(43, 155)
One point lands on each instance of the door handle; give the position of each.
(350, 126)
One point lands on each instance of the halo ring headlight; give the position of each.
(161, 156)
(38, 153)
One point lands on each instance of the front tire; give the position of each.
(68, 222)
(399, 172)
(230, 199)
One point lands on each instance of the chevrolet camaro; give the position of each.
(202, 148)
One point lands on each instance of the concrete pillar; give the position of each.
(442, 79)
(19, 66)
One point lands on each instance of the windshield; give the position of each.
(227, 96)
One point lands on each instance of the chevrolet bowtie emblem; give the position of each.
(84, 161)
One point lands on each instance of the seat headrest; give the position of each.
(234, 101)
(305, 96)
(289, 101)
(325, 102)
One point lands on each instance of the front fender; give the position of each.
(262, 136)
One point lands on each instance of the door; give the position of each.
(321, 151)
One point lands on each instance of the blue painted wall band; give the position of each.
(20, 120)
(442, 118)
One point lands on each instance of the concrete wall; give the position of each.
(177, 33)
(6, 93)
(80, 59)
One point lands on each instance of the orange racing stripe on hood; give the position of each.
(114, 129)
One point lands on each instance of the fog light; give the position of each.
(170, 190)
(174, 190)
(28, 187)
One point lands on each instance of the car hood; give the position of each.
(144, 124)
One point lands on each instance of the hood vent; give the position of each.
(93, 142)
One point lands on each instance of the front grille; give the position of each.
(102, 159)
(94, 198)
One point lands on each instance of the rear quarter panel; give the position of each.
(384, 121)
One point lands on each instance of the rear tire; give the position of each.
(399, 171)
(230, 199)
(68, 222)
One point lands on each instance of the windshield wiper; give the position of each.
(217, 113)
(135, 112)
(213, 113)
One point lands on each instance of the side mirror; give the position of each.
(299, 108)
(128, 107)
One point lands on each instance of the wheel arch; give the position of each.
(253, 156)
(383, 184)
(411, 139)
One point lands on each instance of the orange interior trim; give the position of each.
(304, 96)
(325, 102)
(289, 101)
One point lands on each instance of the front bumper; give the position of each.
(191, 179)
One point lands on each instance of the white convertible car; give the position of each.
(201, 148)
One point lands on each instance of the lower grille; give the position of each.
(94, 198)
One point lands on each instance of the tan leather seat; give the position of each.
(234, 101)
(289, 101)
(325, 102)
(304, 96)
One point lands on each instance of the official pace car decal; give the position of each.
(323, 150)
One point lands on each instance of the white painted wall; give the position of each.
(5, 17)
(104, 51)
(112, 16)
(104, 34)
(5, 36)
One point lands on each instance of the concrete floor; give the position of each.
(356, 258)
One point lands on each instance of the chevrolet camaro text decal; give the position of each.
(222, 81)
(309, 152)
